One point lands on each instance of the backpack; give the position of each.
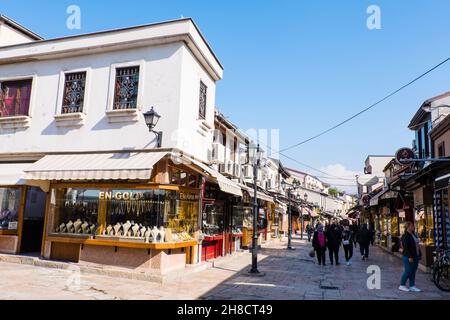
(321, 238)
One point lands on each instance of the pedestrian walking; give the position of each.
(355, 234)
(319, 243)
(372, 236)
(333, 236)
(411, 256)
(347, 242)
(364, 241)
(309, 231)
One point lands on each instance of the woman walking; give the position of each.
(333, 242)
(319, 243)
(411, 257)
(347, 241)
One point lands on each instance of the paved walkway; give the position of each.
(289, 275)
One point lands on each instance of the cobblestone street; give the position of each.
(289, 275)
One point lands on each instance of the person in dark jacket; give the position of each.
(347, 241)
(364, 241)
(355, 234)
(319, 243)
(411, 256)
(333, 242)
(309, 231)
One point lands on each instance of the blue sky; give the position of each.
(297, 66)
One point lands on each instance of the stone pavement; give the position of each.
(288, 275)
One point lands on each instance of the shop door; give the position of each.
(33, 221)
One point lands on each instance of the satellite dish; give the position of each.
(368, 180)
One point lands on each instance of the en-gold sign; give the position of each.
(120, 195)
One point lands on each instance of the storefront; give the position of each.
(138, 211)
(441, 212)
(22, 211)
(220, 237)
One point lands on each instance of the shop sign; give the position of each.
(366, 199)
(189, 196)
(127, 195)
(12, 225)
(404, 156)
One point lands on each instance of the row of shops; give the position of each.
(421, 198)
(101, 209)
(415, 187)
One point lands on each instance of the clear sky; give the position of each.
(297, 66)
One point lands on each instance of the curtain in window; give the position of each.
(15, 98)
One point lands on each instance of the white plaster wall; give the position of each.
(10, 36)
(170, 83)
(189, 136)
(439, 110)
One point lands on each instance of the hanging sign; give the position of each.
(404, 156)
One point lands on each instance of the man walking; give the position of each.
(334, 242)
(364, 242)
(309, 231)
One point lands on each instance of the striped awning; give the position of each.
(225, 184)
(259, 195)
(97, 166)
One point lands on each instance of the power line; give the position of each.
(306, 165)
(364, 110)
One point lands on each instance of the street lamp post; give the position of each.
(289, 188)
(256, 158)
(305, 197)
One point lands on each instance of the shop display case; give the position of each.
(146, 216)
(213, 215)
(77, 213)
(9, 208)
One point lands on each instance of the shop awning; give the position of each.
(225, 184)
(259, 195)
(378, 196)
(12, 174)
(98, 166)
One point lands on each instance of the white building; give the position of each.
(72, 123)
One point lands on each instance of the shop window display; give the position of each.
(213, 216)
(243, 218)
(425, 228)
(151, 215)
(9, 208)
(77, 211)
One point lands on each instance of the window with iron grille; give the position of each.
(126, 88)
(15, 98)
(202, 102)
(74, 89)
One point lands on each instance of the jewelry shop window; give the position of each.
(152, 215)
(213, 216)
(126, 88)
(15, 98)
(243, 218)
(74, 90)
(9, 208)
(76, 211)
(149, 215)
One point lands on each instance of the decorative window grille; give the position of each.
(126, 88)
(202, 102)
(74, 89)
(15, 98)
